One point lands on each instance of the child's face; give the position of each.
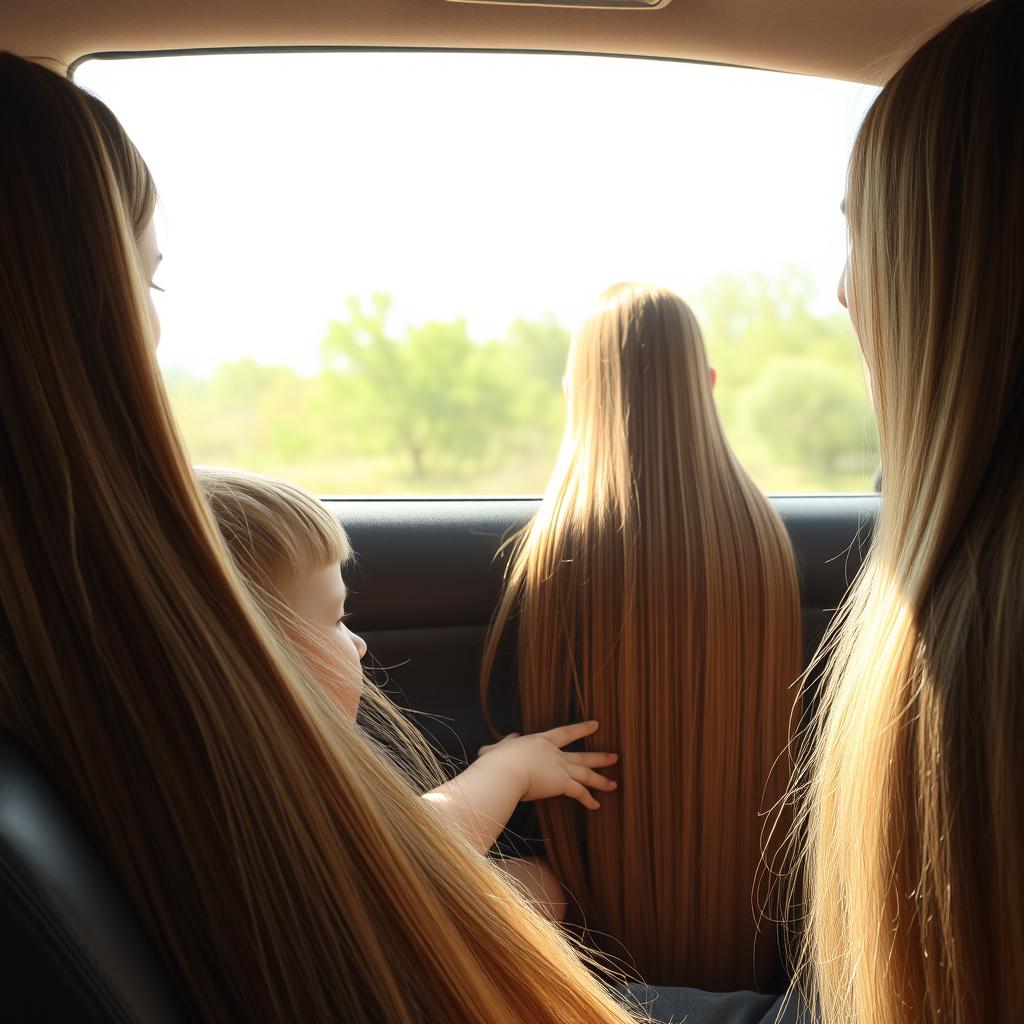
(318, 598)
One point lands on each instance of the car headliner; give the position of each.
(852, 39)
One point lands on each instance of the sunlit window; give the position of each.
(373, 261)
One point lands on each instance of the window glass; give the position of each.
(373, 261)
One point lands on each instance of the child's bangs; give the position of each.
(316, 533)
(271, 526)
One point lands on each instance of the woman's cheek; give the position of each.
(154, 320)
(846, 296)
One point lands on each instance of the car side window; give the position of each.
(374, 260)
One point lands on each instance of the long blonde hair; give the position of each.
(656, 592)
(914, 822)
(285, 870)
(274, 532)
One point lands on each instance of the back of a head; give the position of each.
(285, 870)
(638, 382)
(914, 859)
(656, 592)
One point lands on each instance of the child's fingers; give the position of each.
(591, 779)
(588, 759)
(566, 734)
(580, 792)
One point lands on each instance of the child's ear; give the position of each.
(714, 378)
(565, 383)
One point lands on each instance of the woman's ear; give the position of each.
(714, 378)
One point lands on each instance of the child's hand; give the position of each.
(545, 770)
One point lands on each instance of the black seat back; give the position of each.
(71, 946)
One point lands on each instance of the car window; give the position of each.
(373, 260)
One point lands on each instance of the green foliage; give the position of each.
(430, 409)
(534, 353)
(431, 393)
(791, 389)
(246, 414)
(813, 415)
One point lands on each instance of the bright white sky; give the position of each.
(486, 185)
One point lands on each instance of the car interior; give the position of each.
(428, 570)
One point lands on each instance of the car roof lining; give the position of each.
(858, 40)
(114, 55)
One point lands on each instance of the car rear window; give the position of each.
(373, 260)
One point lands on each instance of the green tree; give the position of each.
(791, 390)
(403, 411)
(429, 392)
(246, 414)
(542, 347)
(535, 353)
(750, 320)
(812, 414)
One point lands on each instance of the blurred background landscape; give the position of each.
(431, 409)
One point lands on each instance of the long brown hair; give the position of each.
(656, 592)
(285, 869)
(914, 829)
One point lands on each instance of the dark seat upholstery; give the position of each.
(71, 946)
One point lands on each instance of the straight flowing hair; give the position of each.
(656, 592)
(913, 830)
(286, 871)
